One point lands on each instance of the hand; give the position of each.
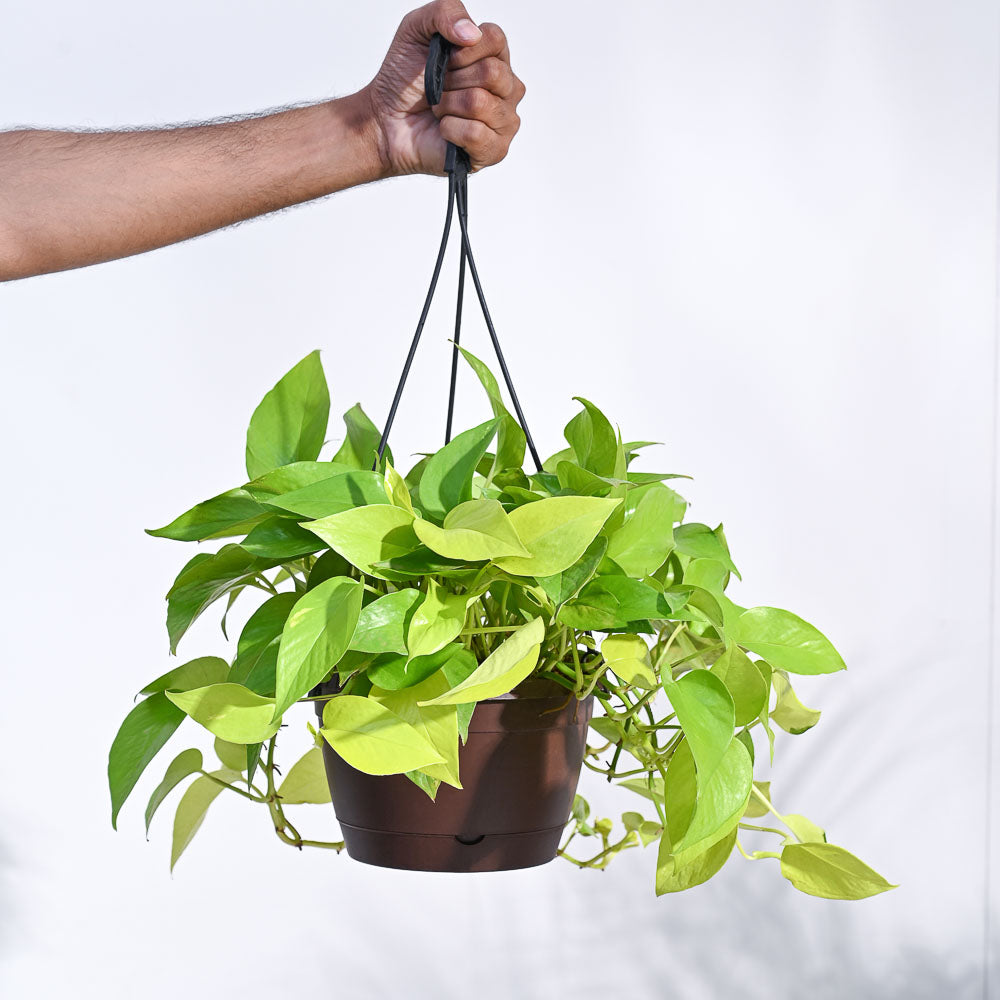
(477, 109)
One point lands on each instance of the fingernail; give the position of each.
(467, 31)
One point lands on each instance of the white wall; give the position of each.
(763, 233)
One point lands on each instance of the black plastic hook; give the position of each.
(456, 160)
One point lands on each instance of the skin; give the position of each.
(70, 199)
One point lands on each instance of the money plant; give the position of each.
(422, 594)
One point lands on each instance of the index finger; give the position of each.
(493, 43)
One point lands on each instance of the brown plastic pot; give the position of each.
(519, 768)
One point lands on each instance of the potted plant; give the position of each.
(461, 632)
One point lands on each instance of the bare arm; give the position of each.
(69, 199)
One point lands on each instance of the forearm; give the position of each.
(69, 199)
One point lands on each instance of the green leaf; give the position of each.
(613, 602)
(317, 634)
(447, 479)
(699, 541)
(279, 538)
(510, 437)
(830, 872)
(788, 711)
(395, 489)
(141, 737)
(437, 620)
(744, 682)
(262, 630)
(192, 808)
(509, 664)
(368, 535)
(573, 479)
(203, 581)
(557, 531)
(373, 739)
(720, 805)
(643, 542)
(382, 624)
(186, 763)
(628, 657)
(230, 711)
(230, 513)
(394, 672)
(670, 878)
(563, 586)
(306, 781)
(289, 425)
(786, 641)
(344, 491)
(705, 712)
(292, 477)
(231, 755)
(593, 439)
(327, 566)
(195, 673)
(474, 531)
(361, 443)
(707, 574)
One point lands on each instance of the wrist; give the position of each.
(357, 145)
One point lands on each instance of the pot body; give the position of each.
(519, 770)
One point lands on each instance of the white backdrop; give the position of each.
(763, 233)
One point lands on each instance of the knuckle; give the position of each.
(493, 71)
(478, 101)
(478, 138)
(493, 34)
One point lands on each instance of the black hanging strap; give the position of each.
(457, 166)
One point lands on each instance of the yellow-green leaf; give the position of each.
(374, 739)
(744, 682)
(556, 531)
(830, 872)
(719, 807)
(186, 763)
(644, 541)
(438, 723)
(805, 830)
(368, 535)
(628, 657)
(229, 711)
(289, 425)
(788, 711)
(786, 641)
(306, 781)
(436, 621)
(509, 664)
(231, 755)
(673, 878)
(474, 531)
(395, 489)
(705, 711)
(316, 635)
(192, 808)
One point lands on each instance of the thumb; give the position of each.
(450, 18)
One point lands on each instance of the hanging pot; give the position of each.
(519, 770)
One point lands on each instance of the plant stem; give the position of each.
(232, 788)
(766, 802)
